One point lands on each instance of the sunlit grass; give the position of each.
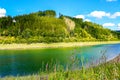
(103, 71)
(109, 71)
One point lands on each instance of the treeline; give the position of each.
(84, 29)
(43, 26)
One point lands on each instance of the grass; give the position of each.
(52, 45)
(104, 71)
(109, 71)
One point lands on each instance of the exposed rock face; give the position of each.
(70, 24)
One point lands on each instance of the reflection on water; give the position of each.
(23, 62)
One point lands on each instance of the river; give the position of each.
(25, 62)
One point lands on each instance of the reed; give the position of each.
(103, 71)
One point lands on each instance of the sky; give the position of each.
(103, 12)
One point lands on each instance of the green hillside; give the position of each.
(44, 26)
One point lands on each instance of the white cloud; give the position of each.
(118, 25)
(2, 12)
(88, 20)
(108, 24)
(111, 0)
(83, 17)
(115, 15)
(99, 14)
(80, 16)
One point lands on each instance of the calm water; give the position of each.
(25, 62)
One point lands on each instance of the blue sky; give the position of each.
(104, 12)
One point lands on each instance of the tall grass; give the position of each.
(72, 71)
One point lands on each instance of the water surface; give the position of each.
(25, 62)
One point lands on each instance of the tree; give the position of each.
(49, 13)
(6, 22)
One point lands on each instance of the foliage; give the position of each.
(48, 13)
(44, 24)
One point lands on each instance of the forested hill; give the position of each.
(43, 26)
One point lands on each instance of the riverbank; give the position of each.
(115, 60)
(107, 71)
(52, 45)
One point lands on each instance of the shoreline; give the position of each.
(16, 46)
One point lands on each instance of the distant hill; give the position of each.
(118, 31)
(84, 29)
(43, 26)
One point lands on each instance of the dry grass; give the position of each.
(52, 45)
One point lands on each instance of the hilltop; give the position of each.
(44, 26)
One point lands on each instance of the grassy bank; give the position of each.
(52, 45)
(106, 71)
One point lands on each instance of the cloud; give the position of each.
(115, 15)
(83, 17)
(20, 10)
(99, 14)
(2, 12)
(111, 0)
(80, 16)
(108, 24)
(88, 20)
(118, 25)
